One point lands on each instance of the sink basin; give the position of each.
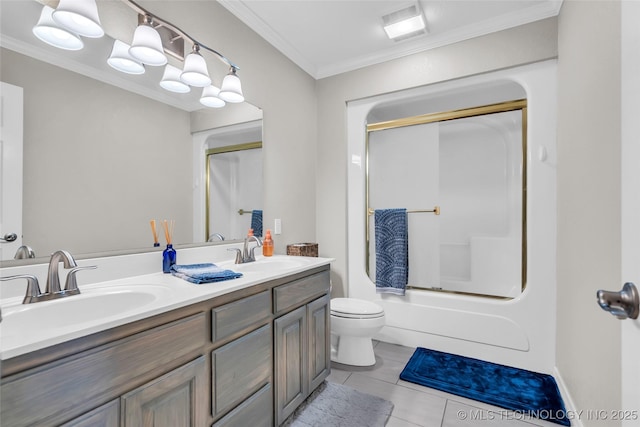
(93, 305)
(269, 265)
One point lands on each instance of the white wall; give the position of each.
(521, 45)
(287, 96)
(589, 234)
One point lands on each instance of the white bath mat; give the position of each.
(335, 405)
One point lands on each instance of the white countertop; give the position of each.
(30, 327)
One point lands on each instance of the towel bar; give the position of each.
(244, 211)
(435, 210)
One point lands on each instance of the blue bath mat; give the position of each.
(526, 392)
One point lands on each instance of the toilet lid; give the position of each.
(355, 308)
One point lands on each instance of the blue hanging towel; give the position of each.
(203, 273)
(256, 222)
(392, 251)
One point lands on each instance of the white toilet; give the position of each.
(353, 324)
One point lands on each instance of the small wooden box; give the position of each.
(303, 249)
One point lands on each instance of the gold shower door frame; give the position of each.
(502, 107)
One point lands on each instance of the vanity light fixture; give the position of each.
(152, 38)
(210, 97)
(147, 45)
(51, 33)
(195, 71)
(121, 60)
(171, 80)
(404, 23)
(231, 90)
(79, 16)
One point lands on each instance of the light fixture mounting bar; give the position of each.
(161, 23)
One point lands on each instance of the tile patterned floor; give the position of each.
(415, 405)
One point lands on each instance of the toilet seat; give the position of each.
(352, 308)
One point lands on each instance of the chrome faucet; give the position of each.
(52, 290)
(214, 236)
(24, 252)
(53, 280)
(246, 254)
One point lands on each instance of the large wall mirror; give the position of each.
(234, 184)
(103, 155)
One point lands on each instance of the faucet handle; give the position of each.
(252, 254)
(239, 259)
(33, 288)
(71, 285)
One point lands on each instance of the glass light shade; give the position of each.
(231, 90)
(122, 61)
(171, 80)
(51, 33)
(79, 16)
(147, 46)
(195, 71)
(210, 97)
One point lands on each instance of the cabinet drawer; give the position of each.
(256, 411)
(240, 368)
(292, 294)
(231, 318)
(59, 386)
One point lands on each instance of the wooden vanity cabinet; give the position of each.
(208, 364)
(302, 341)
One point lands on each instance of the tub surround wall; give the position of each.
(511, 332)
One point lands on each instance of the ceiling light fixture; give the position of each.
(121, 60)
(153, 37)
(210, 97)
(231, 90)
(79, 16)
(195, 71)
(146, 46)
(405, 23)
(171, 80)
(55, 35)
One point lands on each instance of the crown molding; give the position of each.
(422, 43)
(264, 30)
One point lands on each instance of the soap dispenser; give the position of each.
(267, 244)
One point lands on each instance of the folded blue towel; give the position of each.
(392, 251)
(203, 273)
(256, 222)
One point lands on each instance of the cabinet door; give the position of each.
(107, 415)
(240, 368)
(291, 382)
(176, 399)
(319, 318)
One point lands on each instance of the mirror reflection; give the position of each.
(234, 177)
(99, 161)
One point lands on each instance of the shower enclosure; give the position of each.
(461, 175)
